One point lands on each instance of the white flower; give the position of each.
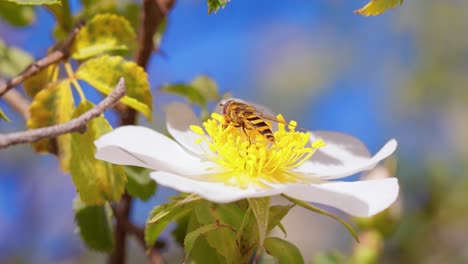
(222, 165)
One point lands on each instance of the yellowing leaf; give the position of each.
(53, 105)
(129, 9)
(3, 116)
(37, 82)
(104, 73)
(377, 7)
(96, 181)
(104, 33)
(36, 2)
(64, 19)
(12, 60)
(17, 15)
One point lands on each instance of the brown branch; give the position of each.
(58, 54)
(155, 256)
(121, 213)
(152, 15)
(75, 125)
(137, 231)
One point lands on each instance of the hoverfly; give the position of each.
(248, 118)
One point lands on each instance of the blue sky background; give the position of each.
(314, 61)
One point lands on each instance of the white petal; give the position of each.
(144, 147)
(179, 117)
(360, 198)
(213, 191)
(342, 156)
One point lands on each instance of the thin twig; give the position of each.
(121, 213)
(75, 125)
(60, 53)
(18, 102)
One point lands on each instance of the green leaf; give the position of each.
(130, 10)
(248, 233)
(260, 207)
(139, 183)
(230, 214)
(64, 19)
(3, 116)
(192, 237)
(53, 105)
(207, 87)
(283, 250)
(94, 225)
(13, 60)
(37, 82)
(246, 221)
(276, 214)
(214, 5)
(186, 91)
(158, 35)
(17, 15)
(312, 208)
(96, 181)
(180, 231)
(163, 214)
(104, 72)
(36, 2)
(377, 7)
(203, 253)
(333, 257)
(199, 91)
(104, 33)
(223, 241)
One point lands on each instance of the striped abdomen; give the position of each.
(259, 125)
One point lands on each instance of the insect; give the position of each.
(248, 118)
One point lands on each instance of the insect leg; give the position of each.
(247, 133)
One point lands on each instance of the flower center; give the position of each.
(250, 158)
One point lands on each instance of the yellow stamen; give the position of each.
(253, 160)
(197, 130)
